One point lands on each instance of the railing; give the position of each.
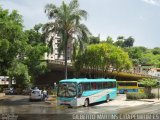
(60, 62)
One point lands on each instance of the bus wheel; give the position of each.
(107, 98)
(86, 103)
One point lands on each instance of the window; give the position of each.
(99, 85)
(105, 84)
(109, 85)
(86, 86)
(127, 84)
(93, 86)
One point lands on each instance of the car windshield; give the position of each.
(35, 92)
(67, 89)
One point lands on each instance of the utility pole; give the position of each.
(158, 83)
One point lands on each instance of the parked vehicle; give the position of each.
(36, 94)
(9, 91)
(127, 86)
(26, 91)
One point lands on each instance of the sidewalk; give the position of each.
(2, 95)
(122, 102)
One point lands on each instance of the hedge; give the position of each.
(135, 96)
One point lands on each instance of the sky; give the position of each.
(137, 18)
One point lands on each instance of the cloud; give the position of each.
(153, 2)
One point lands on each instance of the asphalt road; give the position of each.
(18, 104)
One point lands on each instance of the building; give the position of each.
(154, 72)
(142, 69)
(4, 80)
(54, 56)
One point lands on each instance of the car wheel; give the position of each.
(86, 103)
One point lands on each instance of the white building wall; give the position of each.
(154, 72)
(54, 55)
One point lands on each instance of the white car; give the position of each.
(36, 95)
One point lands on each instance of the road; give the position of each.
(20, 105)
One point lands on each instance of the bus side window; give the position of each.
(93, 86)
(99, 85)
(109, 85)
(105, 84)
(86, 86)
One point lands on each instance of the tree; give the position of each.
(21, 53)
(120, 41)
(35, 54)
(12, 42)
(148, 83)
(67, 24)
(101, 57)
(94, 40)
(128, 42)
(109, 40)
(156, 51)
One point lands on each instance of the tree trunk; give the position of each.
(65, 52)
(66, 61)
(148, 90)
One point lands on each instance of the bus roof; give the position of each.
(87, 80)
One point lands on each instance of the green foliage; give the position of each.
(94, 40)
(11, 39)
(67, 24)
(109, 40)
(143, 56)
(136, 95)
(102, 56)
(21, 53)
(149, 82)
(156, 51)
(122, 42)
(128, 42)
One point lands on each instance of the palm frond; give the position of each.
(51, 10)
(73, 5)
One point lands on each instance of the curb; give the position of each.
(147, 100)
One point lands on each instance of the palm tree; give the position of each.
(67, 25)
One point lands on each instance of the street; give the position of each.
(19, 104)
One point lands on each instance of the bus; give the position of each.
(127, 86)
(141, 88)
(83, 91)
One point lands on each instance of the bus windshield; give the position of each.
(67, 89)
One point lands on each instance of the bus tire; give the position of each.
(86, 102)
(107, 98)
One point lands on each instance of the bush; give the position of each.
(151, 96)
(135, 96)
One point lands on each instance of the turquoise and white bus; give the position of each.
(83, 91)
